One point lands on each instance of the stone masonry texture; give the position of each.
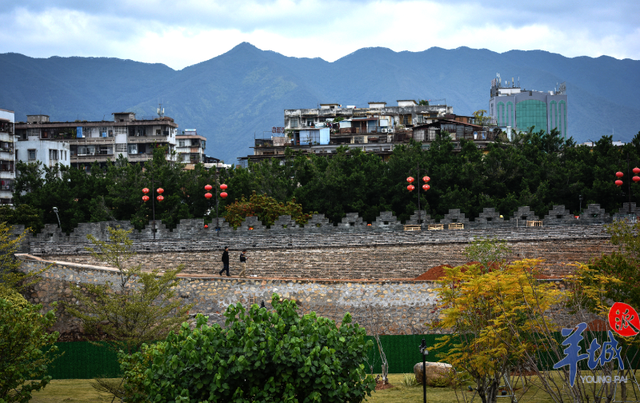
(330, 269)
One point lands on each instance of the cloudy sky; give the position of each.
(180, 33)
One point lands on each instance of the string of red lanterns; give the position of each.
(160, 191)
(208, 196)
(425, 187)
(635, 178)
(146, 198)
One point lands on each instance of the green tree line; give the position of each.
(535, 169)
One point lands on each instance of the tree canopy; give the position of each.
(535, 169)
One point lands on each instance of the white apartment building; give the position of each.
(190, 147)
(100, 141)
(48, 152)
(7, 156)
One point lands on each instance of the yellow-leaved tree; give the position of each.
(490, 314)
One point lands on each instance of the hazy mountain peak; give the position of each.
(242, 94)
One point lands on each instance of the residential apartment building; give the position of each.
(377, 128)
(190, 148)
(517, 108)
(99, 141)
(7, 156)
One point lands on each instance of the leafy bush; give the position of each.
(25, 347)
(266, 208)
(260, 355)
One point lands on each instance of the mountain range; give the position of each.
(240, 95)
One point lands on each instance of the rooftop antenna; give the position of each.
(160, 110)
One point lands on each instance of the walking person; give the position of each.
(243, 263)
(225, 261)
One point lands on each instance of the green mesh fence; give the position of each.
(84, 360)
(402, 352)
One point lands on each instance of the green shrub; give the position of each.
(25, 347)
(260, 355)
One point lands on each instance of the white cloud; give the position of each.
(190, 31)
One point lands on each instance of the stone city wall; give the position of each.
(190, 235)
(392, 306)
(392, 261)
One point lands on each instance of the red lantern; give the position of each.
(636, 178)
(426, 187)
(145, 190)
(145, 198)
(206, 226)
(160, 191)
(410, 188)
(223, 186)
(223, 194)
(208, 187)
(619, 174)
(410, 180)
(636, 170)
(160, 198)
(208, 195)
(426, 179)
(618, 182)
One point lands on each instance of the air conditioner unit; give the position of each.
(390, 130)
(383, 130)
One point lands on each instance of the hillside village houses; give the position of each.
(377, 128)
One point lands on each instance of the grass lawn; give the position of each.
(69, 390)
(81, 391)
(401, 393)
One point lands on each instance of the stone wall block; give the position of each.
(559, 215)
(455, 216)
(386, 221)
(251, 225)
(426, 218)
(489, 218)
(351, 223)
(594, 214)
(522, 215)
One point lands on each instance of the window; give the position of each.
(293, 122)
(133, 149)
(120, 129)
(121, 148)
(310, 123)
(32, 155)
(181, 143)
(53, 155)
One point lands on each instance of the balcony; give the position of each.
(92, 140)
(148, 139)
(91, 157)
(139, 157)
